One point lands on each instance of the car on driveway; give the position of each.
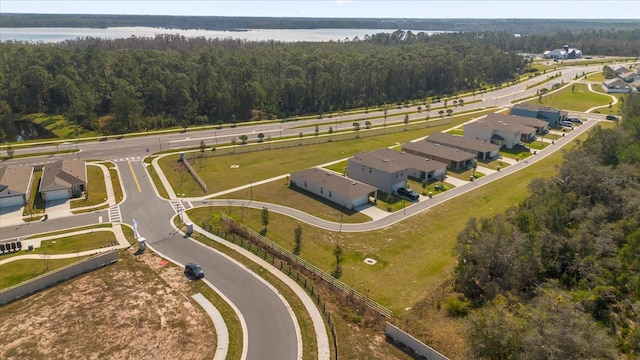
(523, 147)
(409, 193)
(575, 120)
(611, 117)
(193, 271)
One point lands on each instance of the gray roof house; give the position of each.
(388, 169)
(617, 85)
(628, 76)
(483, 150)
(334, 187)
(455, 159)
(500, 130)
(63, 179)
(549, 114)
(15, 183)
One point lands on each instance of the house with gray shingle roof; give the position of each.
(334, 187)
(455, 159)
(618, 85)
(15, 184)
(483, 150)
(551, 115)
(63, 179)
(499, 130)
(388, 169)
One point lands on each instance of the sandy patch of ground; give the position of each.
(138, 308)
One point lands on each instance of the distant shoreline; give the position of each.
(222, 23)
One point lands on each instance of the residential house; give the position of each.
(628, 76)
(15, 184)
(63, 179)
(483, 150)
(551, 115)
(455, 159)
(336, 188)
(620, 70)
(617, 85)
(501, 130)
(388, 169)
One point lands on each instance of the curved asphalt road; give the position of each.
(271, 331)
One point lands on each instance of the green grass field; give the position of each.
(96, 189)
(225, 172)
(581, 99)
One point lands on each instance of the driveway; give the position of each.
(58, 209)
(11, 216)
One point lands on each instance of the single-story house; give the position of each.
(498, 131)
(539, 126)
(620, 70)
(617, 85)
(63, 179)
(15, 184)
(334, 187)
(628, 76)
(483, 150)
(455, 159)
(388, 169)
(551, 115)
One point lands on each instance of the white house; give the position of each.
(564, 53)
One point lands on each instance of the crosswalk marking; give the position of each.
(114, 214)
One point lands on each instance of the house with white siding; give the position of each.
(15, 184)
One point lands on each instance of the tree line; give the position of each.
(132, 84)
(513, 26)
(559, 275)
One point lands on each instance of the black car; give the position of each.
(522, 147)
(408, 193)
(611, 117)
(193, 271)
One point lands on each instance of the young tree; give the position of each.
(406, 121)
(461, 102)
(441, 113)
(244, 138)
(317, 130)
(337, 252)
(265, 217)
(367, 124)
(449, 112)
(260, 137)
(297, 239)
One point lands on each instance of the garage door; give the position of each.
(57, 195)
(11, 201)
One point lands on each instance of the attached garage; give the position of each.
(11, 201)
(50, 195)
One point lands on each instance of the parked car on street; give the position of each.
(193, 271)
(410, 193)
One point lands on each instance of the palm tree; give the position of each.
(449, 111)
(406, 121)
(461, 102)
(441, 112)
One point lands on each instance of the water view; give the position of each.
(289, 35)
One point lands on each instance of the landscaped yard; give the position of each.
(580, 99)
(96, 189)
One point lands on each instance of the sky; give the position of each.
(423, 9)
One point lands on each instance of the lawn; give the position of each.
(96, 189)
(599, 77)
(414, 256)
(580, 99)
(35, 204)
(225, 172)
(18, 271)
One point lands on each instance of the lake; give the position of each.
(50, 35)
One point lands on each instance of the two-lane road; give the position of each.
(272, 333)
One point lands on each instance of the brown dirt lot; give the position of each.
(138, 308)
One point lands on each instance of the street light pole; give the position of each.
(251, 190)
(160, 142)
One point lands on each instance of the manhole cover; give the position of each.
(370, 261)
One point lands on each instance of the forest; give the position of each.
(558, 276)
(132, 84)
(122, 85)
